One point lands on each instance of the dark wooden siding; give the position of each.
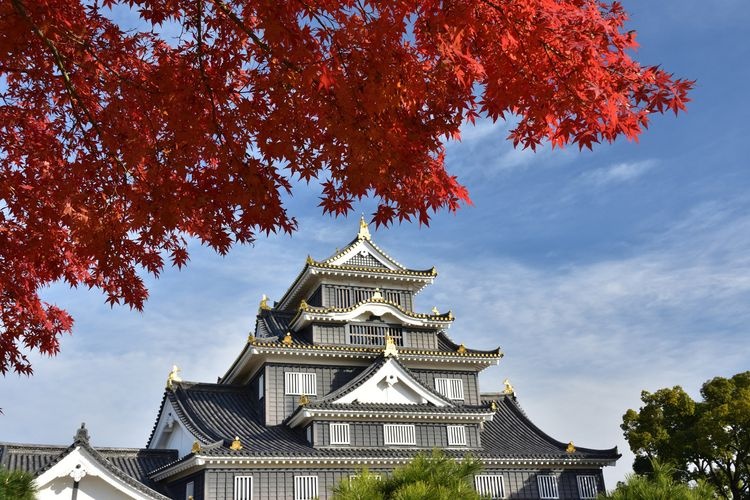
(279, 405)
(471, 386)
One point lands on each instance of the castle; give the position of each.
(341, 373)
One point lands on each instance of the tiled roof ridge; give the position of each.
(104, 462)
(452, 343)
(512, 403)
(188, 418)
(350, 246)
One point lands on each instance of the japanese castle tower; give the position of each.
(341, 373)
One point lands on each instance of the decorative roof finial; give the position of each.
(508, 388)
(250, 338)
(570, 448)
(236, 444)
(376, 295)
(364, 231)
(493, 406)
(303, 400)
(287, 339)
(461, 349)
(196, 447)
(173, 377)
(435, 311)
(390, 347)
(264, 304)
(82, 434)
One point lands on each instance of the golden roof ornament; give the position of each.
(304, 400)
(364, 231)
(236, 444)
(173, 377)
(250, 338)
(461, 349)
(493, 406)
(264, 304)
(570, 448)
(309, 260)
(435, 311)
(509, 390)
(302, 305)
(196, 447)
(287, 339)
(390, 347)
(376, 295)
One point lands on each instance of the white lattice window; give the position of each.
(399, 434)
(339, 433)
(301, 383)
(243, 487)
(189, 490)
(490, 485)
(547, 486)
(587, 487)
(451, 388)
(305, 487)
(456, 435)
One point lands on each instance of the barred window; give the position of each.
(456, 435)
(301, 383)
(399, 434)
(490, 485)
(547, 486)
(587, 487)
(243, 487)
(305, 487)
(451, 388)
(339, 433)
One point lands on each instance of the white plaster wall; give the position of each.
(90, 488)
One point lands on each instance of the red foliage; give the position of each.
(116, 144)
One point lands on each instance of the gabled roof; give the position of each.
(215, 414)
(129, 465)
(511, 434)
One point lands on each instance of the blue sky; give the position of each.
(599, 273)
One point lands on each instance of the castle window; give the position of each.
(587, 487)
(451, 388)
(374, 334)
(547, 486)
(300, 383)
(456, 435)
(490, 485)
(399, 434)
(305, 487)
(261, 386)
(339, 433)
(189, 490)
(243, 487)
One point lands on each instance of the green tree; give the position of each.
(427, 477)
(16, 485)
(660, 484)
(707, 440)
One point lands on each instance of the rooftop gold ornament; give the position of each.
(304, 400)
(461, 349)
(570, 448)
(390, 347)
(264, 304)
(250, 338)
(196, 447)
(302, 305)
(173, 377)
(508, 388)
(236, 444)
(493, 406)
(435, 311)
(376, 295)
(309, 260)
(364, 231)
(287, 339)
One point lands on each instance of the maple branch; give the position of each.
(76, 99)
(241, 24)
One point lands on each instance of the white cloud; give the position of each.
(618, 173)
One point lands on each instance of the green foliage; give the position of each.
(16, 485)
(659, 485)
(427, 477)
(708, 440)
